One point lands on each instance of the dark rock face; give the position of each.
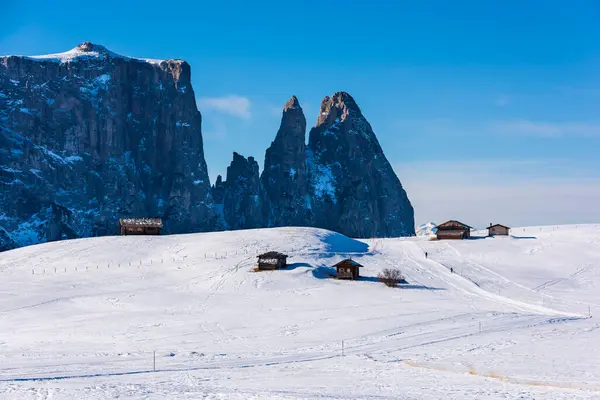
(241, 194)
(218, 190)
(284, 177)
(89, 136)
(6, 242)
(341, 181)
(353, 188)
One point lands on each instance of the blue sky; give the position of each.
(488, 111)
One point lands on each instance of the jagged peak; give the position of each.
(237, 158)
(292, 104)
(293, 121)
(340, 105)
(88, 47)
(341, 99)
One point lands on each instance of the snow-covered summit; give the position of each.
(426, 229)
(87, 50)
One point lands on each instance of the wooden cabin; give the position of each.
(453, 230)
(347, 269)
(140, 226)
(272, 260)
(498, 230)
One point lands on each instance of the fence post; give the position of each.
(342, 348)
(154, 361)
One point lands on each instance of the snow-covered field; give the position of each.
(83, 319)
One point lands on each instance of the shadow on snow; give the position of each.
(291, 267)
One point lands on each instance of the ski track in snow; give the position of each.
(195, 299)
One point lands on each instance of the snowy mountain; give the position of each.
(426, 229)
(353, 186)
(88, 136)
(285, 176)
(340, 181)
(83, 318)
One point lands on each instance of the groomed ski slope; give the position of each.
(82, 319)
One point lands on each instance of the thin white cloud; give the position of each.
(514, 192)
(547, 129)
(515, 127)
(237, 106)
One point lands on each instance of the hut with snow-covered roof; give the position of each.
(272, 260)
(140, 226)
(347, 269)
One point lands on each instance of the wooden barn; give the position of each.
(347, 269)
(453, 230)
(498, 230)
(272, 260)
(140, 226)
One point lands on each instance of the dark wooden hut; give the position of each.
(347, 269)
(140, 226)
(453, 230)
(272, 260)
(498, 230)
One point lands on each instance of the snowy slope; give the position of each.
(82, 318)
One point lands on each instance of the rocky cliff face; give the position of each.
(285, 178)
(341, 181)
(353, 188)
(89, 136)
(240, 196)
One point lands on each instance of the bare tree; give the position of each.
(390, 277)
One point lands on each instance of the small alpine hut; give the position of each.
(140, 226)
(347, 269)
(271, 260)
(498, 230)
(453, 230)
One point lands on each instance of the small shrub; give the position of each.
(390, 277)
